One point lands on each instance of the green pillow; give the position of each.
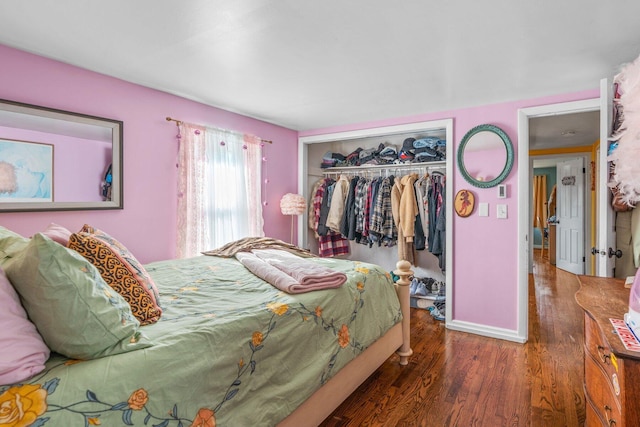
(77, 314)
(10, 244)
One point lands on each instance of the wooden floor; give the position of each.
(460, 379)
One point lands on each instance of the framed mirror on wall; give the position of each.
(58, 160)
(485, 156)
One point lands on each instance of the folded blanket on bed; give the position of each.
(289, 272)
(248, 244)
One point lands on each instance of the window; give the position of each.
(219, 185)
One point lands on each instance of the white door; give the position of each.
(606, 234)
(570, 216)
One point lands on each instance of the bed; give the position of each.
(230, 350)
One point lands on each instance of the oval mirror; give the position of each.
(485, 156)
(58, 160)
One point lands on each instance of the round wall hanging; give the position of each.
(464, 203)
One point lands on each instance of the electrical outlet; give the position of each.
(501, 211)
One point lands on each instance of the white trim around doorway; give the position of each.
(525, 242)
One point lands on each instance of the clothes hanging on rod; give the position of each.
(330, 243)
(383, 209)
(437, 218)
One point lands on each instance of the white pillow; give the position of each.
(23, 351)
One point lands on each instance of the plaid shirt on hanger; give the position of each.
(333, 243)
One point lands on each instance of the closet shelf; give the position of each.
(405, 166)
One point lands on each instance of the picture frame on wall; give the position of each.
(26, 171)
(464, 203)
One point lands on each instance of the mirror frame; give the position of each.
(508, 164)
(116, 126)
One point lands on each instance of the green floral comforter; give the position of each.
(229, 350)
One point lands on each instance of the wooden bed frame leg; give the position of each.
(402, 287)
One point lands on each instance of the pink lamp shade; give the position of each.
(292, 204)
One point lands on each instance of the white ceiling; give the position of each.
(308, 65)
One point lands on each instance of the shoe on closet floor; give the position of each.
(421, 290)
(413, 286)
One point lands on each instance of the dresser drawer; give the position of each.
(600, 392)
(593, 417)
(596, 345)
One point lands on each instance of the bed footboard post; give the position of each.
(403, 269)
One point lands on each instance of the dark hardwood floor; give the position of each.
(460, 379)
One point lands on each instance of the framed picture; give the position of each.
(464, 203)
(26, 171)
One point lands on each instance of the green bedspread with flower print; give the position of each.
(229, 350)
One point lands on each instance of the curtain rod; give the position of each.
(179, 122)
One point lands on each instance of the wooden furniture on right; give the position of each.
(612, 373)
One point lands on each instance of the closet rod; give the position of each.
(418, 167)
(179, 122)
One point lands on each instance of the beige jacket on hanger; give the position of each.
(403, 205)
(338, 199)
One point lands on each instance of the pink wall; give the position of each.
(485, 275)
(146, 225)
(485, 249)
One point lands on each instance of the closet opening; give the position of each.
(312, 150)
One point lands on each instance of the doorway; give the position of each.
(561, 211)
(536, 121)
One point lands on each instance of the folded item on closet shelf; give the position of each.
(422, 158)
(374, 161)
(405, 156)
(330, 155)
(389, 151)
(369, 152)
(407, 145)
(430, 142)
(426, 151)
(353, 156)
(290, 273)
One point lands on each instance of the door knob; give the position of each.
(595, 251)
(617, 253)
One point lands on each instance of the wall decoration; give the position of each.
(569, 180)
(464, 203)
(485, 156)
(26, 171)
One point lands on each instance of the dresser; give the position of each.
(612, 373)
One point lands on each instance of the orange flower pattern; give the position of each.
(26, 405)
(278, 308)
(21, 405)
(343, 336)
(138, 399)
(256, 338)
(204, 418)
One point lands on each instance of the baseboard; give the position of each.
(487, 331)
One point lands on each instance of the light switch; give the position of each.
(501, 211)
(483, 209)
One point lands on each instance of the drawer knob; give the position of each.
(607, 410)
(604, 357)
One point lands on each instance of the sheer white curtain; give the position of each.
(219, 183)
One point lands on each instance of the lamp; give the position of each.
(292, 204)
